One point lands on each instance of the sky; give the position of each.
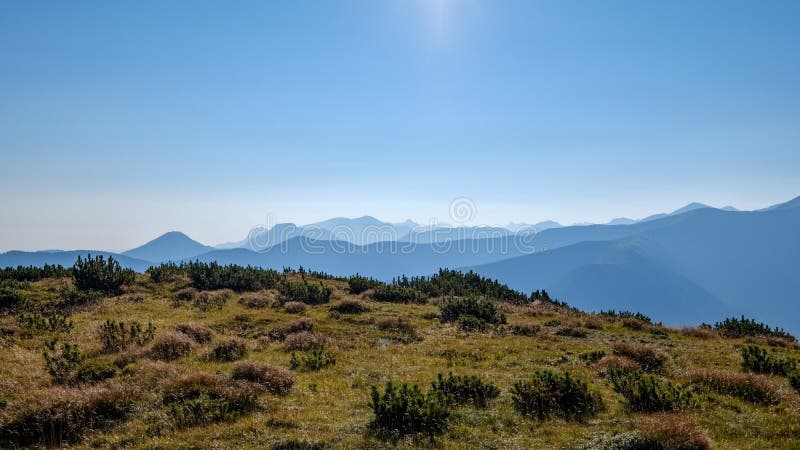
(123, 120)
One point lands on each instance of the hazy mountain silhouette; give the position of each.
(65, 258)
(171, 246)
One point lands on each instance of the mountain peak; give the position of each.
(170, 246)
(690, 207)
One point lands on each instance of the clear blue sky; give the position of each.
(122, 120)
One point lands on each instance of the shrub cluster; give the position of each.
(592, 356)
(471, 312)
(199, 398)
(116, 336)
(625, 315)
(213, 276)
(314, 360)
(529, 329)
(570, 331)
(61, 361)
(33, 273)
(408, 410)
(463, 389)
(294, 307)
(757, 359)
(454, 283)
(53, 323)
(350, 307)
(550, 393)
(645, 392)
(229, 350)
(358, 284)
(94, 371)
(398, 294)
(210, 300)
(304, 292)
(273, 379)
(100, 274)
(736, 328)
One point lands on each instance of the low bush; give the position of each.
(736, 328)
(746, 386)
(757, 359)
(35, 323)
(273, 379)
(611, 314)
(452, 309)
(593, 323)
(255, 300)
(700, 332)
(304, 341)
(172, 345)
(61, 361)
(671, 431)
(199, 399)
(212, 276)
(592, 356)
(100, 274)
(633, 323)
(529, 329)
(644, 392)
(187, 294)
(794, 380)
(463, 389)
(358, 284)
(472, 323)
(649, 359)
(550, 393)
(294, 307)
(408, 410)
(229, 350)
(94, 371)
(201, 334)
(116, 336)
(62, 416)
(314, 360)
(312, 294)
(397, 294)
(350, 307)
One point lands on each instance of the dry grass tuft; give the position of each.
(699, 332)
(746, 386)
(257, 300)
(593, 323)
(632, 323)
(395, 324)
(172, 345)
(351, 307)
(187, 294)
(617, 363)
(273, 379)
(294, 307)
(649, 359)
(229, 350)
(201, 334)
(304, 340)
(526, 329)
(670, 431)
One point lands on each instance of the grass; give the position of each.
(258, 402)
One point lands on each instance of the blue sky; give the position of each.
(122, 120)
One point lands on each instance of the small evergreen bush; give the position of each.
(452, 309)
(315, 360)
(647, 393)
(100, 274)
(736, 328)
(592, 356)
(462, 389)
(116, 336)
(397, 294)
(550, 393)
(94, 371)
(757, 359)
(407, 410)
(358, 284)
(62, 361)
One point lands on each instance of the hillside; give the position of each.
(278, 365)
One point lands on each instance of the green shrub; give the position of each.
(472, 323)
(645, 392)
(36, 323)
(10, 297)
(229, 350)
(294, 444)
(592, 356)
(100, 274)
(454, 283)
(305, 292)
(117, 336)
(33, 273)
(397, 294)
(757, 359)
(465, 389)
(199, 399)
(273, 379)
(550, 393)
(735, 328)
(315, 360)
(794, 380)
(452, 309)
(94, 371)
(358, 284)
(62, 361)
(165, 272)
(626, 315)
(212, 276)
(408, 410)
(75, 298)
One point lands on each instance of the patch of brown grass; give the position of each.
(256, 300)
(294, 307)
(617, 363)
(229, 350)
(396, 323)
(273, 379)
(671, 431)
(526, 328)
(746, 386)
(350, 307)
(187, 294)
(649, 359)
(699, 332)
(304, 340)
(632, 323)
(172, 345)
(201, 334)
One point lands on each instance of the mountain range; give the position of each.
(695, 264)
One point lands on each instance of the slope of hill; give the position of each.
(66, 258)
(171, 246)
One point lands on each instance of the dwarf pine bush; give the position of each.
(757, 359)
(647, 393)
(116, 336)
(304, 292)
(462, 389)
(53, 323)
(397, 294)
(735, 328)
(549, 393)
(61, 361)
(315, 360)
(453, 309)
(407, 410)
(100, 274)
(358, 284)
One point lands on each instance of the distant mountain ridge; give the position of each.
(170, 246)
